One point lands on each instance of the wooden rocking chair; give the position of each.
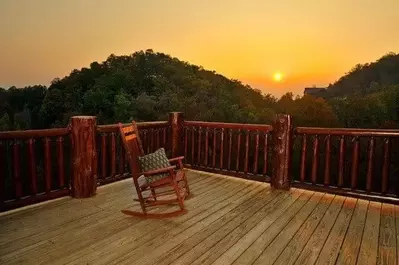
(152, 185)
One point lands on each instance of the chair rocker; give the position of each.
(151, 180)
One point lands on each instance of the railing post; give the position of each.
(84, 157)
(282, 152)
(176, 123)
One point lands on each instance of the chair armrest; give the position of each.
(178, 160)
(158, 171)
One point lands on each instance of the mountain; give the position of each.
(146, 86)
(367, 78)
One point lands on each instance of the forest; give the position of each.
(146, 85)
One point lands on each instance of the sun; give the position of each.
(278, 76)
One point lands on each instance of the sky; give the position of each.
(310, 42)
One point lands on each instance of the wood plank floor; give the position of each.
(229, 221)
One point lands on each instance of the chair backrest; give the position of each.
(133, 147)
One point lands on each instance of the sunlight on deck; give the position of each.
(229, 221)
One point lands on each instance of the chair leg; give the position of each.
(154, 195)
(179, 197)
(186, 185)
(141, 199)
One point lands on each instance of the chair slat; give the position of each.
(130, 137)
(128, 129)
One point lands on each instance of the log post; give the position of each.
(84, 157)
(176, 124)
(282, 152)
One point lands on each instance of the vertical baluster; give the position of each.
(370, 157)
(214, 149)
(315, 159)
(32, 166)
(113, 154)
(104, 155)
(60, 161)
(385, 166)
(341, 161)
(256, 154)
(206, 146)
(246, 151)
(164, 136)
(327, 160)
(230, 146)
(17, 169)
(193, 145)
(146, 146)
(2, 173)
(157, 144)
(47, 163)
(355, 162)
(265, 153)
(199, 146)
(151, 135)
(303, 158)
(238, 150)
(221, 148)
(185, 142)
(121, 158)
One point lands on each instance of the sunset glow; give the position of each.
(278, 76)
(316, 42)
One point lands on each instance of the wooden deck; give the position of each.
(230, 221)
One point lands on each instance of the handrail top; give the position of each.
(114, 127)
(348, 131)
(26, 134)
(260, 127)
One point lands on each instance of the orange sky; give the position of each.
(312, 42)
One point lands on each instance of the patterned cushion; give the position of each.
(156, 160)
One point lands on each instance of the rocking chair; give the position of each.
(152, 175)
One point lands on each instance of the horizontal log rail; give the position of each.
(347, 132)
(141, 125)
(347, 161)
(23, 135)
(221, 125)
(34, 166)
(241, 150)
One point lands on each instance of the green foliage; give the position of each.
(146, 85)
(367, 78)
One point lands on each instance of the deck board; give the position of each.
(229, 221)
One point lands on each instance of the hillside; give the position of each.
(143, 86)
(146, 85)
(367, 78)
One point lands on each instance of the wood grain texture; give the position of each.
(312, 249)
(351, 245)
(294, 248)
(282, 151)
(230, 221)
(84, 156)
(271, 253)
(263, 240)
(369, 246)
(387, 238)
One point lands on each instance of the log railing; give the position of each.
(34, 166)
(38, 165)
(347, 161)
(228, 148)
(112, 163)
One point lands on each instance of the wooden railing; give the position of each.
(112, 163)
(34, 166)
(39, 165)
(347, 161)
(229, 148)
